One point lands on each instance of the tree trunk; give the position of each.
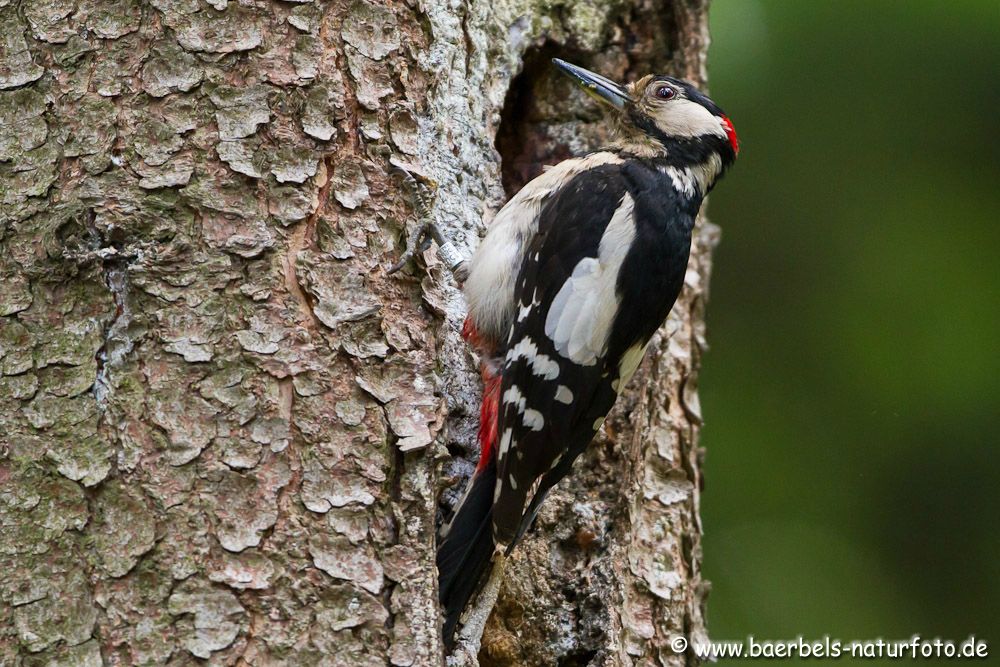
(224, 430)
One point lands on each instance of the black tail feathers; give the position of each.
(464, 554)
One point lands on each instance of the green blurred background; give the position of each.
(851, 392)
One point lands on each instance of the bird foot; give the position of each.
(418, 239)
(423, 189)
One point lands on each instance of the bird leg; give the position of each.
(424, 189)
(474, 619)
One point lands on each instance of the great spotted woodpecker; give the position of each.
(572, 279)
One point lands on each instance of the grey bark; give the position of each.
(224, 431)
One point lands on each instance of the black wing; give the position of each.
(555, 394)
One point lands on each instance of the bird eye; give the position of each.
(665, 92)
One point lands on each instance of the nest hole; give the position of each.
(538, 116)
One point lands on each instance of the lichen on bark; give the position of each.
(224, 430)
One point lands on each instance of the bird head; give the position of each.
(662, 117)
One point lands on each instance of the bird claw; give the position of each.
(423, 189)
(419, 239)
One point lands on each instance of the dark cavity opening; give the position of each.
(540, 116)
(577, 659)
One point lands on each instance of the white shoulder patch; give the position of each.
(581, 315)
(489, 288)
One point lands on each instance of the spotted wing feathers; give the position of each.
(597, 279)
(555, 380)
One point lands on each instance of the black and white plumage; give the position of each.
(602, 273)
(573, 278)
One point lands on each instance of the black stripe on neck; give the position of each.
(685, 151)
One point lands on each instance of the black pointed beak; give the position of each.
(595, 85)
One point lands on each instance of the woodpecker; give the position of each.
(572, 279)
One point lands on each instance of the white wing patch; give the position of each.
(542, 365)
(525, 309)
(513, 396)
(533, 419)
(504, 443)
(580, 318)
(564, 395)
(489, 288)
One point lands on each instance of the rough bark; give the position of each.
(224, 431)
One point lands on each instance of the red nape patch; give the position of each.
(731, 133)
(489, 415)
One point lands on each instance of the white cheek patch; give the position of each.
(684, 118)
(580, 318)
